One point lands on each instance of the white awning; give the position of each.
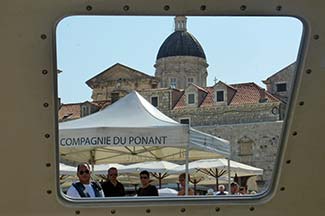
(132, 130)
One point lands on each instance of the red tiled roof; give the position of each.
(199, 88)
(69, 111)
(246, 93)
(250, 93)
(181, 102)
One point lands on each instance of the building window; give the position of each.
(281, 87)
(84, 111)
(245, 146)
(184, 121)
(173, 82)
(115, 97)
(154, 101)
(191, 99)
(220, 96)
(190, 80)
(154, 85)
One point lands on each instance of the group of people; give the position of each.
(110, 188)
(85, 187)
(235, 189)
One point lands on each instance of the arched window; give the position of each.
(245, 146)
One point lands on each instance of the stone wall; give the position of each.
(164, 98)
(123, 87)
(181, 68)
(254, 144)
(228, 114)
(285, 75)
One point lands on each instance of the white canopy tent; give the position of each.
(132, 130)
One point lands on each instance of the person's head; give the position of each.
(242, 190)
(83, 173)
(182, 179)
(144, 177)
(112, 174)
(221, 188)
(234, 188)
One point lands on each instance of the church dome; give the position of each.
(181, 42)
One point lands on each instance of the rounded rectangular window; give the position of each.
(197, 112)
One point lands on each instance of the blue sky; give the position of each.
(238, 49)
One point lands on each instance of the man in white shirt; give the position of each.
(221, 190)
(84, 188)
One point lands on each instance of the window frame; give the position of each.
(188, 98)
(157, 101)
(279, 84)
(185, 118)
(223, 96)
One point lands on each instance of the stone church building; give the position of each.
(247, 115)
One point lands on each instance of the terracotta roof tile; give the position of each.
(69, 111)
(250, 93)
(246, 93)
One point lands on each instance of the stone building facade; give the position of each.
(280, 83)
(117, 81)
(247, 115)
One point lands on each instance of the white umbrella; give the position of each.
(151, 166)
(218, 167)
(101, 169)
(159, 169)
(167, 192)
(222, 165)
(67, 170)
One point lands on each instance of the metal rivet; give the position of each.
(89, 8)
(183, 209)
(243, 7)
(48, 164)
(47, 136)
(77, 212)
(44, 72)
(217, 209)
(126, 7)
(282, 188)
(113, 211)
(301, 103)
(308, 71)
(46, 105)
(166, 7)
(48, 191)
(43, 36)
(279, 7)
(288, 161)
(316, 37)
(294, 133)
(252, 208)
(203, 7)
(148, 211)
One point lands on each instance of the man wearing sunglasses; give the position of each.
(112, 187)
(147, 189)
(84, 188)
